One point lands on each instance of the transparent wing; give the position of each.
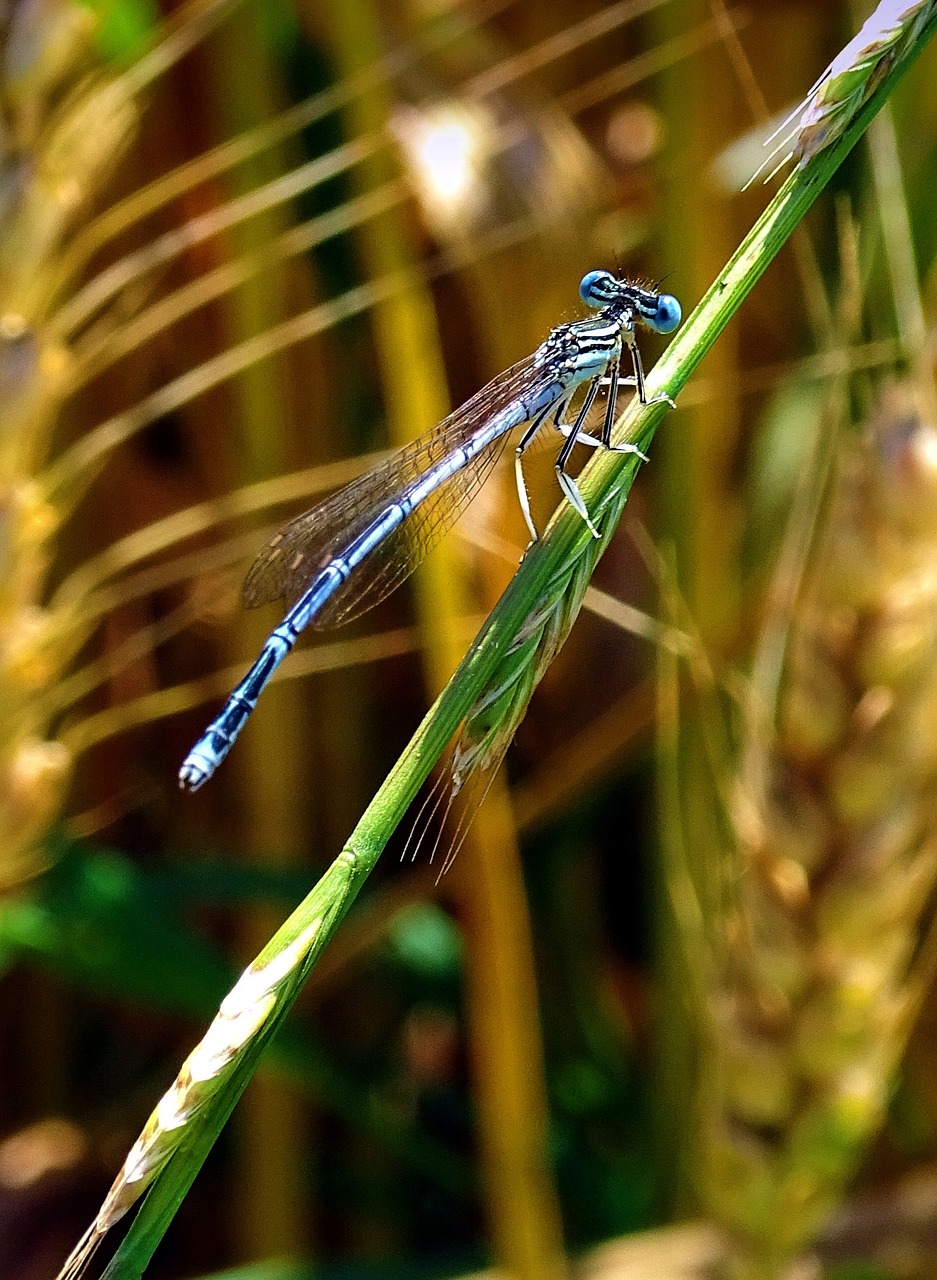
(309, 542)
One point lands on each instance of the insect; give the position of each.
(344, 555)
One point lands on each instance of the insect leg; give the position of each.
(566, 482)
(522, 495)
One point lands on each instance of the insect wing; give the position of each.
(307, 544)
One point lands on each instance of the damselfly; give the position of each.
(343, 556)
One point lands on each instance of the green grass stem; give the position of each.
(604, 483)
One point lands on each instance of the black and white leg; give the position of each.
(522, 494)
(596, 442)
(639, 376)
(566, 482)
(614, 381)
(613, 384)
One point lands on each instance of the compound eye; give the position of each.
(668, 314)
(593, 288)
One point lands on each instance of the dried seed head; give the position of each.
(838, 834)
(33, 780)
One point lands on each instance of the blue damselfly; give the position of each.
(349, 552)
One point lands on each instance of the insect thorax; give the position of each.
(557, 354)
(583, 348)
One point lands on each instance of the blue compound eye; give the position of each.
(668, 314)
(593, 288)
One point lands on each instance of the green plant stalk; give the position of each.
(520, 1202)
(606, 477)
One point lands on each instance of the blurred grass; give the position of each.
(627, 173)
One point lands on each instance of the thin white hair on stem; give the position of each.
(79, 1258)
(787, 141)
(480, 781)
(468, 785)
(427, 811)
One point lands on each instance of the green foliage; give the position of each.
(227, 353)
(124, 27)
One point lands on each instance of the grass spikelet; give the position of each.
(217, 1070)
(821, 968)
(856, 72)
(839, 94)
(490, 725)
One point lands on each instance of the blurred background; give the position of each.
(674, 973)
